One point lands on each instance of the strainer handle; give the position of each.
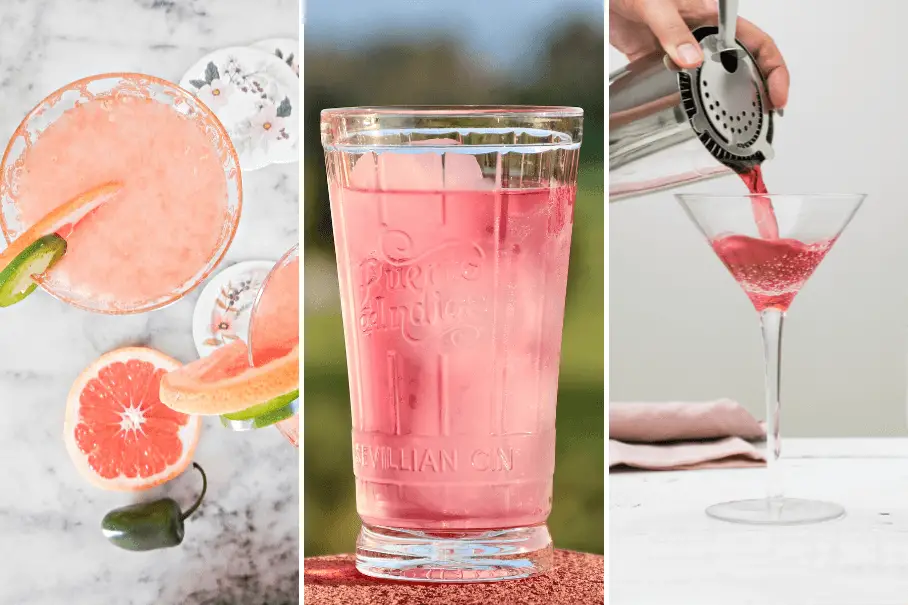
(728, 18)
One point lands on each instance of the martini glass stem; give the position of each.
(771, 324)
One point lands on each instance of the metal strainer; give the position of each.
(727, 104)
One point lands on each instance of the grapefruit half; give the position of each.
(117, 432)
(225, 382)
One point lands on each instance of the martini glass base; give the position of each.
(776, 511)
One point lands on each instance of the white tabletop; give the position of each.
(664, 550)
(242, 546)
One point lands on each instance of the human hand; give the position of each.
(638, 27)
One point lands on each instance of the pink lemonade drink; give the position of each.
(173, 219)
(452, 250)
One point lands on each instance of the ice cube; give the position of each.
(397, 171)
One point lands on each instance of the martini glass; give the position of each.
(772, 272)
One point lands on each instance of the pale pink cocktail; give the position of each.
(452, 249)
(177, 211)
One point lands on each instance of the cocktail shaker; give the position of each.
(670, 126)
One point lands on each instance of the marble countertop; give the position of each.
(664, 549)
(243, 545)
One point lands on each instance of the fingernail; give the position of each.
(689, 54)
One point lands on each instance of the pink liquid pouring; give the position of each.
(453, 304)
(764, 215)
(771, 272)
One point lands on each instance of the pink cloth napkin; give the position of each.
(683, 435)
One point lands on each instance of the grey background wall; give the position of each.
(681, 329)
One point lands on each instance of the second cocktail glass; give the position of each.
(274, 333)
(452, 229)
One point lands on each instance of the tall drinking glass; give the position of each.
(452, 227)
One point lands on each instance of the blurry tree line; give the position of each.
(570, 71)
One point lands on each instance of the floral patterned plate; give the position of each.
(286, 49)
(255, 95)
(222, 312)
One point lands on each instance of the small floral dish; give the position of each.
(286, 49)
(255, 95)
(222, 312)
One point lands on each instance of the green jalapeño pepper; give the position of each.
(150, 525)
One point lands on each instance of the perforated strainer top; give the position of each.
(728, 109)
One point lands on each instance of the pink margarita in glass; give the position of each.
(176, 213)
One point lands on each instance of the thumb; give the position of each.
(666, 23)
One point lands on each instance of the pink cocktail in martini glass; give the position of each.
(772, 266)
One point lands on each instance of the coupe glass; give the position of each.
(111, 86)
(772, 272)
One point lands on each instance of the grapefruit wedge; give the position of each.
(43, 244)
(62, 219)
(225, 382)
(117, 432)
